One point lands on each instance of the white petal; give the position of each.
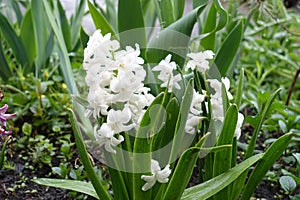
(154, 166)
(148, 185)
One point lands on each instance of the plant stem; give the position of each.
(292, 87)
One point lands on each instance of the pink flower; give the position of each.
(3, 118)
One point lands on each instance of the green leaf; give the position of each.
(165, 11)
(297, 157)
(77, 186)
(14, 42)
(239, 183)
(27, 129)
(181, 139)
(27, 36)
(229, 49)
(197, 3)
(178, 8)
(65, 64)
(2, 153)
(100, 190)
(267, 161)
(64, 25)
(41, 31)
(84, 38)
(166, 134)
(239, 93)
(131, 24)
(182, 174)
(117, 177)
(76, 21)
(222, 159)
(150, 16)
(99, 20)
(214, 185)
(261, 118)
(209, 42)
(287, 183)
(111, 14)
(16, 8)
(5, 69)
(142, 147)
(174, 39)
(215, 21)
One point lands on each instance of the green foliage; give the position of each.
(77, 186)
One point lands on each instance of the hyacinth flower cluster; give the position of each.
(199, 61)
(116, 89)
(119, 98)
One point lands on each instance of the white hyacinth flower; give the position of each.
(194, 118)
(217, 87)
(199, 60)
(98, 99)
(105, 137)
(118, 120)
(192, 123)
(166, 67)
(157, 175)
(99, 49)
(217, 108)
(226, 83)
(239, 124)
(129, 58)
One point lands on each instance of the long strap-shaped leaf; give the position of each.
(142, 148)
(5, 69)
(40, 28)
(99, 20)
(211, 26)
(78, 186)
(14, 42)
(267, 161)
(262, 116)
(66, 67)
(211, 187)
(165, 12)
(239, 183)
(181, 137)
(28, 37)
(222, 160)
(174, 39)
(76, 21)
(229, 48)
(131, 25)
(178, 8)
(101, 192)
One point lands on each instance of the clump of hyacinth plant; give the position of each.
(158, 112)
(139, 136)
(151, 142)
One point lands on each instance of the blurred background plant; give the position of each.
(270, 58)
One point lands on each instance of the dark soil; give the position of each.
(17, 185)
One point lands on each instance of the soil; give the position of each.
(26, 189)
(17, 185)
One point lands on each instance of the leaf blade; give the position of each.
(211, 187)
(270, 156)
(229, 48)
(78, 186)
